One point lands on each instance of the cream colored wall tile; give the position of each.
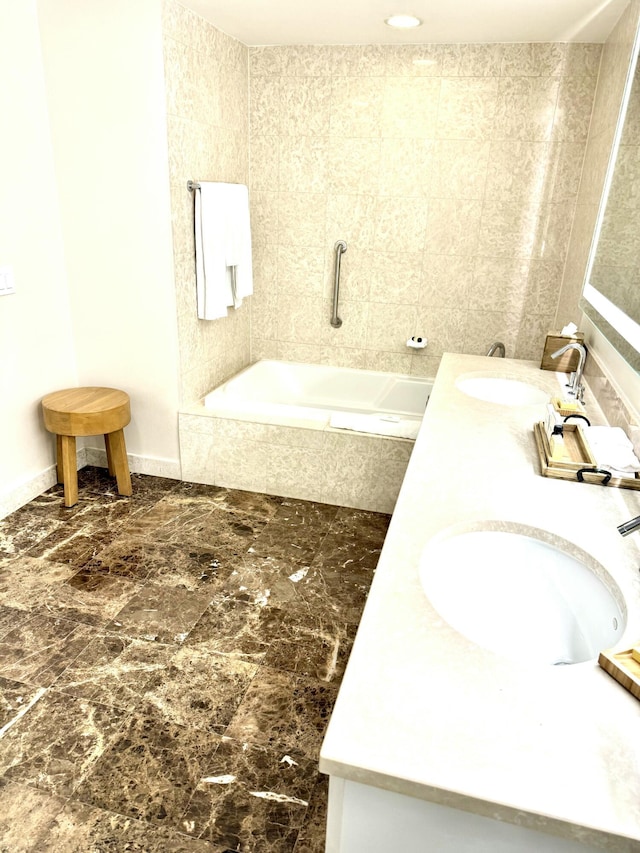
(582, 60)
(301, 352)
(355, 274)
(356, 106)
(344, 357)
(543, 286)
(413, 60)
(287, 437)
(482, 328)
(265, 267)
(264, 163)
(553, 231)
(406, 167)
(364, 483)
(564, 170)
(573, 111)
(300, 318)
(471, 60)
(467, 107)
(498, 284)
(507, 229)
(264, 312)
(265, 211)
(525, 108)
(424, 365)
(263, 348)
(228, 429)
(301, 272)
(266, 61)
(531, 335)
(410, 107)
(354, 164)
(400, 224)
(452, 226)
(351, 218)
(295, 473)
(460, 168)
(265, 99)
(395, 277)
(306, 60)
(388, 362)
(241, 465)
(518, 171)
(304, 162)
(444, 328)
(596, 160)
(352, 332)
(631, 128)
(390, 326)
(446, 280)
(346, 443)
(305, 106)
(182, 219)
(185, 280)
(197, 457)
(533, 60)
(301, 218)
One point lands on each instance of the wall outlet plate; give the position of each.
(7, 281)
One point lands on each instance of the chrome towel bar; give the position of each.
(340, 248)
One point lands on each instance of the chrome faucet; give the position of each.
(498, 345)
(629, 526)
(577, 388)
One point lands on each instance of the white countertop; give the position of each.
(425, 712)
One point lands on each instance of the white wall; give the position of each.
(36, 344)
(105, 85)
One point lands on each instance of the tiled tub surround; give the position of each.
(451, 171)
(168, 663)
(445, 722)
(266, 431)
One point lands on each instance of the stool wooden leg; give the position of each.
(117, 453)
(59, 459)
(67, 460)
(110, 465)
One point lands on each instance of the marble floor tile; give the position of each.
(197, 689)
(173, 564)
(114, 670)
(159, 613)
(12, 617)
(88, 598)
(25, 581)
(38, 650)
(16, 699)
(169, 662)
(236, 629)
(251, 798)
(150, 771)
(283, 711)
(80, 828)
(26, 814)
(56, 744)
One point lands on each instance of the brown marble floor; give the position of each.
(169, 663)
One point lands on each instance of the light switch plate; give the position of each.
(7, 281)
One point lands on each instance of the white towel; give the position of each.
(377, 424)
(223, 248)
(612, 450)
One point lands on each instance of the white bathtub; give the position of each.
(334, 435)
(279, 391)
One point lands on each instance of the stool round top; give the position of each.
(86, 411)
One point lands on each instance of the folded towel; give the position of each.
(612, 450)
(223, 248)
(376, 424)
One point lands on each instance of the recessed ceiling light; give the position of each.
(403, 22)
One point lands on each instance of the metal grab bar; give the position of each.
(340, 248)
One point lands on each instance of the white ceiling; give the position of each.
(256, 22)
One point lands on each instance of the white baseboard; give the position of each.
(21, 493)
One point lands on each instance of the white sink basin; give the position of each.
(506, 392)
(508, 589)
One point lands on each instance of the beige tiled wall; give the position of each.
(206, 75)
(452, 172)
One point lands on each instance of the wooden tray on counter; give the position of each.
(624, 668)
(581, 466)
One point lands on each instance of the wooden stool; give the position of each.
(88, 411)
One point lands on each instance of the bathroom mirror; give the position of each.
(611, 294)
